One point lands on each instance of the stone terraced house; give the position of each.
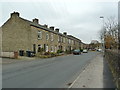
(21, 34)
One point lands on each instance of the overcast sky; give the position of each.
(76, 17)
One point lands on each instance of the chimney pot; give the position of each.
(45, 25)
(52, 28)
(36, 20)
(57, 30)
(15, 14)
(65, 33)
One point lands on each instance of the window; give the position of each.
(64, 39)
(74, 42)
(64, 49)
(55, 48)
(34, 48)
(52, 50)
(69, 41)
(46, 48)
(40, 45)
(47, 36)
(51, 36)
(40, 48)
(39, 34)
(59, 38)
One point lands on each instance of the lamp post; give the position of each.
(103, 39)
(119, 25)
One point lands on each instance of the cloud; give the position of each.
(78, 18)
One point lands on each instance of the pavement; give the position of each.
(23, 59)
(96, 75)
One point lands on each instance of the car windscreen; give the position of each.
(77, 50)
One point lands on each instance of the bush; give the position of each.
(81, 50)
(44, 56)
(67, 51)
(40, 49)
(53, 54)
(59, 51)
(47, 53)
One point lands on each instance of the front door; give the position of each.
(34, 48)
(44, 47)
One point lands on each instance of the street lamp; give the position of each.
(103, 40)
(102, 20)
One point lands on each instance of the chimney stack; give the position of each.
(57, 30)
(15, 14)
(45, 25)
(52, 28)
(65, 33)
(36, 21)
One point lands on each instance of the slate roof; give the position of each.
(47, 29)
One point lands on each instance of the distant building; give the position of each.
(21, 34)
(94, 41)
(94, 44)
(84, 46)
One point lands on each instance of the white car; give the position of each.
(99, 50)
(85, 51)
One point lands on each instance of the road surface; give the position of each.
(57, 72)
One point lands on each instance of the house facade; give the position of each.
(21, 34)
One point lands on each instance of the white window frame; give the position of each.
(52, 36)
(55, 48)
(52, 49)
(47, 36)
(59, 38)
(64, 39)
(39, 45)
(47, 48)
(69, 41)
(39, 34)
(64, 48)
(72, 41)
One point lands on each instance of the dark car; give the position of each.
(76, 52)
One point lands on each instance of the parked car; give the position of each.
(99, 50)
(77, 52)
(85, 51)
(93, 49)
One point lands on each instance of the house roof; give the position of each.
(74, 37)
(47, 29)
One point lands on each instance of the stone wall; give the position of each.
(15, 35)
(21, 34)
(0, 41)
(9, 54)
(113, 58)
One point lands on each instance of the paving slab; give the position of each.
(96, 75)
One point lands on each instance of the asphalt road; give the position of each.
(55, 72)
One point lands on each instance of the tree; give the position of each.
(109, 34)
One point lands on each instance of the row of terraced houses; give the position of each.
(21, 34)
